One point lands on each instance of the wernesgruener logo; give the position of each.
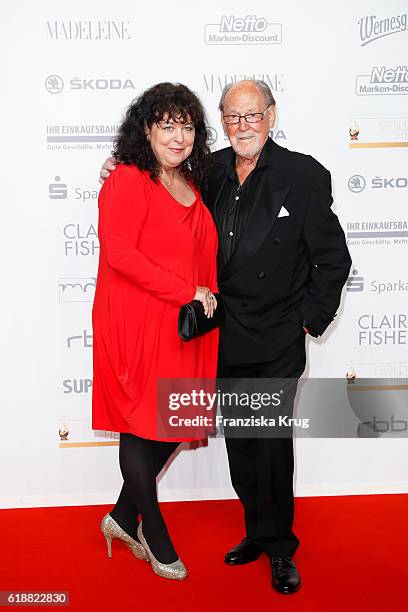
(372, 28)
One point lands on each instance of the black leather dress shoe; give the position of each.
(245, 552)
(285, 577)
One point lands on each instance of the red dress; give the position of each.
(154, 252)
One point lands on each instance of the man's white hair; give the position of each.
(263, 87)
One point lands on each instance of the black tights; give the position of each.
(140, 462)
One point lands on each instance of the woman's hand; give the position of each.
(108, 166)
(207, 298)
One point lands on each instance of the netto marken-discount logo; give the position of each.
(383, 81)
(371, 28)
(248, 30)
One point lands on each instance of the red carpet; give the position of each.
(352, 557)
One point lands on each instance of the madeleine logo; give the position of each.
(88, 30)
(215, 82)
(371, 28)
(248, 30)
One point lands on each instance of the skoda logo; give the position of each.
(54, 84)
(356, 183)
(211, 135)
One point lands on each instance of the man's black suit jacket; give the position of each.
(288, 270)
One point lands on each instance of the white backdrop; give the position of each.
(70, 69)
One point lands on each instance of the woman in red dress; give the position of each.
(157, 252)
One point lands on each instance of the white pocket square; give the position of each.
(283, 212)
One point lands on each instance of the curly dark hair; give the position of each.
(180, 104)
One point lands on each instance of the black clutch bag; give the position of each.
(192, 321)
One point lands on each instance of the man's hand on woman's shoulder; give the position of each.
(108, 166)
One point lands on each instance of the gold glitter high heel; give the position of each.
(111, 530)
(174, 571)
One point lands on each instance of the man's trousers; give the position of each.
(262, 467)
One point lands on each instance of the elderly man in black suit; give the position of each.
(282, 263)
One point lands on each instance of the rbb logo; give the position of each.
(383, 426)
(85, 339)
(238, 24)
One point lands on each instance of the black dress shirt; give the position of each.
(235, 206)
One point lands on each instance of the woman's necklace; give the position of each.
(164, 178)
